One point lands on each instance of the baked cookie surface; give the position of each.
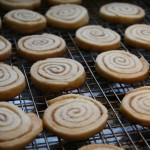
(38, 47)
(19, 4)
(12, 82)
(17, 129)
(25, 21)
(67, 16)
(136, 105)
(124, 13)
(57, 74)
(5, 48)
(120, 66)
(54, 2)
(138, 35)
(99, 147)
(97, 38)
(75, 117)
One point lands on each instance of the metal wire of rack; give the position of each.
(119, 130)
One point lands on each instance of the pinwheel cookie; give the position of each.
(38, 47)
(57, 74)
(67, 16)
(124, 13)
(99, 147)
(18, 4)
(75, 117)
(17, 129)
(121, 66)
(136, 105)
(25, 21)
(138, 35)
(12, 82)
(54, 2)
(97, 38)
(5, 48)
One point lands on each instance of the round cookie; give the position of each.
(120, 66)
(19, 4)
(75, 117)
(97, 38)
(5, 48)
(67, 16)
(12, 82)
(99, 147)
(55, 2)
(17, 129)
(136, 105)
(138, 35)
(124, 13)
(38, 47)
(25, 21)
(57, 74)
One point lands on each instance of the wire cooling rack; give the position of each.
(119, 130)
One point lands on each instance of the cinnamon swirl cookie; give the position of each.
(57, 74)
(54, 2)
(99, 147)
(138, 35)
(136, 105)
(97, 38)
(5, 48)
(17, 129)
(25, 21)
(19, 4)
(121, 66)
(38, 47)
(75, 117)
(124, 13)
(67, 16)
(12, 82)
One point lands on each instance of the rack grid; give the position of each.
(119, 130)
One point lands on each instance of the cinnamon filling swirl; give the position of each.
(57, 74)
(136, 105)
(74, 116)
(12, 82)
(97, 38)
(38, 47)
(121, 66)
(138, 35)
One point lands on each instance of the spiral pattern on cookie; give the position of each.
(66, 12)
(75, 113)
(42, 42)
(141, 103)
(121, 62)
(13, 122)
(2, 45)
(97, 34)
(136, 105)
(122, 9)
(139, 32)
(59, 69)
(5, 48)
(74, 116)
(25, 15)
(7, 75)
